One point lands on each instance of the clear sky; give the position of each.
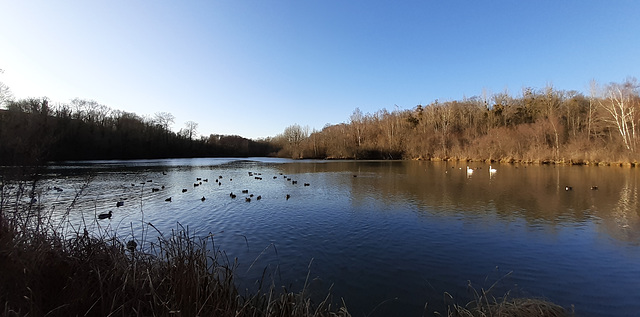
(252, 68)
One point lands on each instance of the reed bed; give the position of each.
(484, 304)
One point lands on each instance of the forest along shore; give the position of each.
(540, 126)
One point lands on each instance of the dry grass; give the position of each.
(486, 305)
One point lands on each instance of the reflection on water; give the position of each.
(385, 235)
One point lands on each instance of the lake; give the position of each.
(387, 236)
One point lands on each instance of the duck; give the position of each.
(594, 187)
(568, 188)
(131, 245)
(259, 197)
(247, 199)
(168, 199)
(203, 199)
(105, 215)
(288, 196)
(184, 190)
(120, 204)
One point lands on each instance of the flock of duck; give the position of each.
(201, 181)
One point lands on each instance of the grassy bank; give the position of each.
(49, 271)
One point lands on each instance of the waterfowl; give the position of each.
(232, 195)
(247, 199)
(288, 196)
(259, 197)
(307, 184)
(131, 245)
(120, 204)
(184, 190)
(198, 178)
(568, 188)
(469, 170)
(105, 215)
(492, 170)
(168, 199)
(245, 191)
(294, 182)
(153, 190)
(203, 199)
(594, 187)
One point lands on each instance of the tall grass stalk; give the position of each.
(484, 304)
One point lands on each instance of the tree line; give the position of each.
(33, 131)
(540, 125)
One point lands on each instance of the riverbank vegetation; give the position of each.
(33, 131)
(538, 126)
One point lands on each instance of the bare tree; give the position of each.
(621, 103)
(593, 90)
(5, 93)
(294, 135)
(191, 129)
(357, 122)
(165, 120)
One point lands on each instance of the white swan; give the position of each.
(492, 170)
(469, 170)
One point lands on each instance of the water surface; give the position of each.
(387, 236)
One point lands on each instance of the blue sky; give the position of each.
(252, 68)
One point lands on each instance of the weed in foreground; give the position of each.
(486, 305)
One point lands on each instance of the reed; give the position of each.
(484, 304)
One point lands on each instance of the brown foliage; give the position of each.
(545, 125)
